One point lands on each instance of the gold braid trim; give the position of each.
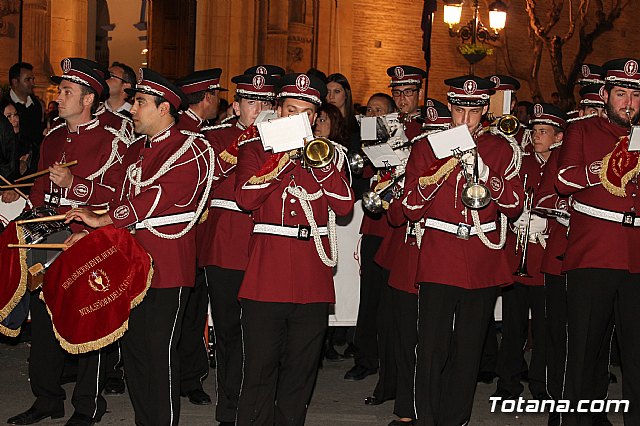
(22, 285)
(100, 343)
(229, 158)
(9, 332)
(442, 172)
(204, 217)
(254, 180)
(613, 189)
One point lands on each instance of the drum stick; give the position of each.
(20, 193)
(39, 246)
(16, 185)
(45, 171)
(52, 218)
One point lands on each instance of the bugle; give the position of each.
(316, 153)
(372, 200)
(522, 235)
(507, 124)
(475, 195)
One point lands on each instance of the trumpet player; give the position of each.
(288, 283)
(601, 262)
(525, 246)
(461, 261)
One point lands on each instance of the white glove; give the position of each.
(538, 225)
(521, 222)
(483, 170)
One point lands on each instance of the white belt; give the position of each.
(63, 201)
(171, 219)
(301, 232)
(455, 229)
(225, 204)
(626, 219)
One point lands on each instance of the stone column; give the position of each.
(36, 36)
(68, 30)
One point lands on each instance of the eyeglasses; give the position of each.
(119, 78)
(406, 92)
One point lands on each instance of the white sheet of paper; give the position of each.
(265, 116)
(447, 142)
(382, 155)
(368, 126)
(286, 133)
(634, 139)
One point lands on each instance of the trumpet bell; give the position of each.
(475, 196)
(318, 152)
(508, 124)
(372, 201)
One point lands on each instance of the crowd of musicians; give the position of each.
(542, 212)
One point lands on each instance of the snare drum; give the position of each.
(38, 260)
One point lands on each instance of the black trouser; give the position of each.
(448, 352)
(113, 361)
(594, 298)
(490, 348)
(192, 349)
(282, 346)
(405, 337)
(224, 285)
(150, 350)
(373, 280)
(387, 343)
(517, 299)
(46, 364)
(555, 292)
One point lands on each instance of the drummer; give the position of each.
(80, 136)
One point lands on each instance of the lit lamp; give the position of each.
(474, 30)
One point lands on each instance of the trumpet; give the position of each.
(522, 235)
(475, 195)
(358, 160)
(372, 200)
(507, 124)
(316, 153)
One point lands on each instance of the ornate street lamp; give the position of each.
(474, 31)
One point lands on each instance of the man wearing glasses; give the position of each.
(122, 77)
(406, 90)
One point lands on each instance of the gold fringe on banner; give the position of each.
(442, 172)
(22, 285)
(9, 332)
(229, 158)
(255, 180)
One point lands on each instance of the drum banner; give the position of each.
(91, 288)
(619, 167)
(13, 274)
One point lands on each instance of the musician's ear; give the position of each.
(485, 109)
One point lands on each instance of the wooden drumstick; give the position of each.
(52, 218)
(20, 193)
(16, 185)
(39, 246)
(45, 171)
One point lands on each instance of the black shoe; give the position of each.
(79, 419)
(114, 386)
(524, 376)
(400, 423)
(613, 378)
(503, 394)
(351, 351)
(197, 397)
(359, 372)
(332, 355)
(486, 377)
(372, 400)
(33, 415)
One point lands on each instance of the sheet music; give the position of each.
(286, 133)
(448, 142)
(382, 155)
(634, 139)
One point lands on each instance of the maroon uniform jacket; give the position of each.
(223, 239)
(190, 121)
(399, 251)
(548, 197)
(286, 269)
(533, 166)
(594, 242)
(444, 258)
(99, 153)
(176, 191)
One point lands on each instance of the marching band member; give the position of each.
(223, 239)
(161, 193)
(602, 268)
(398, 254)
(288, 283)
(460, 266)
(527, 291)
(99, 149)
(201, 89)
